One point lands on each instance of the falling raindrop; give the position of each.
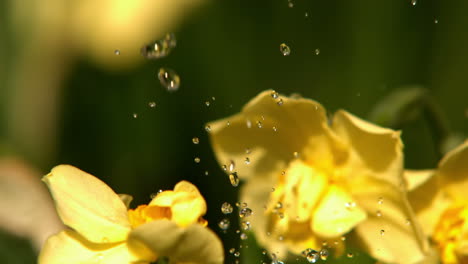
(245, 212)
(311, 255)
(306, 14)
(152, 104)
(243, 236)
(224, 224)
(159, 48)
(245, 225)
(237, 254)
(232, 250)
(207, 103)
(197, 160)
(436, 21)
(324, 254)
(350, 255)
(414, 2)
(135, 115)
(195, 140)
(317, 51)
(234, 179)
(290, 4)
(226, 208)
(285, 50)
(169, 79)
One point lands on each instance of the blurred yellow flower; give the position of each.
(102, 230)
(309, 179)
(440, 199)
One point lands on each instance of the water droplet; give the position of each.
(290, 4)
(380, 200)
(237, 254)
(350, 255)
(224, 224)
(272, 189)
(324, 254)
(285, 50)
(414, 2)
(274, 94)
(408, 222)
(259, 124)
(436, 21)
(213, 98)
(378, 213)
(234, 179)
(248, 151)
(306, 14)
(152, 104)
(226, 208)
(207, 128)
(224, 167)
(247, 160)
(232, 166)
(343, 238)
(159, 48)
(279, 205)
(135, 115)
(296, 154)
(228, 123)
(232, 250)
(382, 232)
(280, 102)
(275, 129)
(245, 225)
(195, 140)
(206, 173)
(207, 103)
(169, 79)
(117, 52)
(317, 51)
(311, 255)
(248, 123)
(245, 212)
(196, 159)
(243, 236)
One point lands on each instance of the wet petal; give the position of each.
(194, 243)
(298, 122)
(336, 214)
(374, 148)
(394, 235)
(69, 247)
(88, 205)
(415, 178)
(453, 172)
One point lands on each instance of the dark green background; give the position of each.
(230, 50)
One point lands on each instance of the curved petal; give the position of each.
(88, 205)
(69, 247)
(374, 148)
(336, 214)
(390, 233)
(453, 172)
(271, 131)
(194, 243)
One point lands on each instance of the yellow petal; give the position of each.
(374, 148)
(415, 178)
(453, 172)
(297, 122)
(336, 214)
(69, 247)
(188, 205)
(390, 233)
(88, 205)
(194, 243)
(163, 199)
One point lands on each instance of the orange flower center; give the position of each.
(448, 233)
(146, 213)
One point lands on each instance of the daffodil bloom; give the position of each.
(102, 230)
(440, 199)
(309, 179)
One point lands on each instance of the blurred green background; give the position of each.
(61, 104)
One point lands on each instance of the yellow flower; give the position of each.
(102, 229)
(440, 199)
(310, 180)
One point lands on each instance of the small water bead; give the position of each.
(324, 254)
(152, 104)
(207, 173)
(272, 189)
(159, 48)
(275, 129)
(274, 94)
(234, 179)
(232, 250)
(311, 255)
(207, 128)
(196, 159)
(317, 51)
(408, 222)
(228, 123)
(290, 4)
(264, 252)
(224, 224)
(232, 166)
(226, 208)
(245, 225)
(350, 205)
(135, 115)
(243, 236)
(382, 232)
(247, 160)
(350, 255)
(306, 14)
(169, 79)
(117, 52)
(380, 200)
(378, 213)
(248, 151)
(259, 124)
(278, 205)
(245, 212)
(436, 21)
(207, 103)
(280, 102)
(195, 140)
(237, 254)
(414, 2)
(296, 154)
(285, 50)
(244, 204)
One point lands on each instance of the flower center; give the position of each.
(145, 213)
(448, 232)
